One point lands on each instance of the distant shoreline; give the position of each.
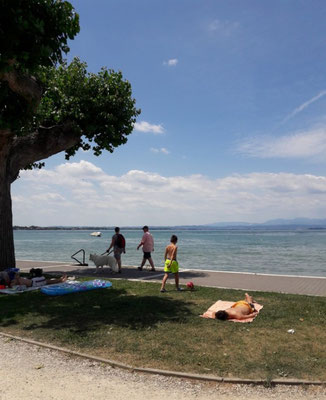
(180, 227)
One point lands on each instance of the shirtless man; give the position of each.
(171, 263)
(242, 309)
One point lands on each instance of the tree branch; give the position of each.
(41, 144)
(23, 85)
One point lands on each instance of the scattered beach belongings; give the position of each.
(291, 331)
(75, 287)
(17, 289)
(223, 305)
(104, 259)
(190, 286)
(96, 234)
(12, 272)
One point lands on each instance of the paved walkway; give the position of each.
(315, 286)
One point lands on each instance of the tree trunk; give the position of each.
(15, 154)
(7, 249)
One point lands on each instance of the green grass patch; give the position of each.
(136, 324)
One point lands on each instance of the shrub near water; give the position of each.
(135, 324)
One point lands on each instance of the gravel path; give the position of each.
(32, 372)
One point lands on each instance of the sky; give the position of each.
(233, 121)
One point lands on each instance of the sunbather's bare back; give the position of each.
(242, 309)
(240, 312)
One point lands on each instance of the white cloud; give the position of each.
(225, 28)
(82, 169)
(55, 197)
(68, 174)
(48, 197)
(172, 62)
(144, 126)
(310, 144)
(161, 150)
(304, 106)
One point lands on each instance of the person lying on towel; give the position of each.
(242, 309)
(37, 279)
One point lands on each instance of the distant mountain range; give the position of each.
(310, 223)
(305, 222)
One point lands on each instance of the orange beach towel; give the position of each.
(223, 305)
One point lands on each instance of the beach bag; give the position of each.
(121, 241)
(12, 272)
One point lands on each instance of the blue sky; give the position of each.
(233, 122)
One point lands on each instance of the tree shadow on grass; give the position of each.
(88, 311)
(194, 274)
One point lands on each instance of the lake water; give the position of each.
(289, 252)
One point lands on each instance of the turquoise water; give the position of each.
(297, 252)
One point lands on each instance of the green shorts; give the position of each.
(171, 266)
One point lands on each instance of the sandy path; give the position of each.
(30, 372)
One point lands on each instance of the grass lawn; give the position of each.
(136, 324)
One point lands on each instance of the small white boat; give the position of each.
(97, 234)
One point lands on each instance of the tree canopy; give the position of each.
(47, 105)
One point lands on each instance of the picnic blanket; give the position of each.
(17, 290)
(23, 289)
(223, 305)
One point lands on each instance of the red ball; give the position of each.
(190, 285)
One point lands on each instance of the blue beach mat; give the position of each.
(74, 287)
